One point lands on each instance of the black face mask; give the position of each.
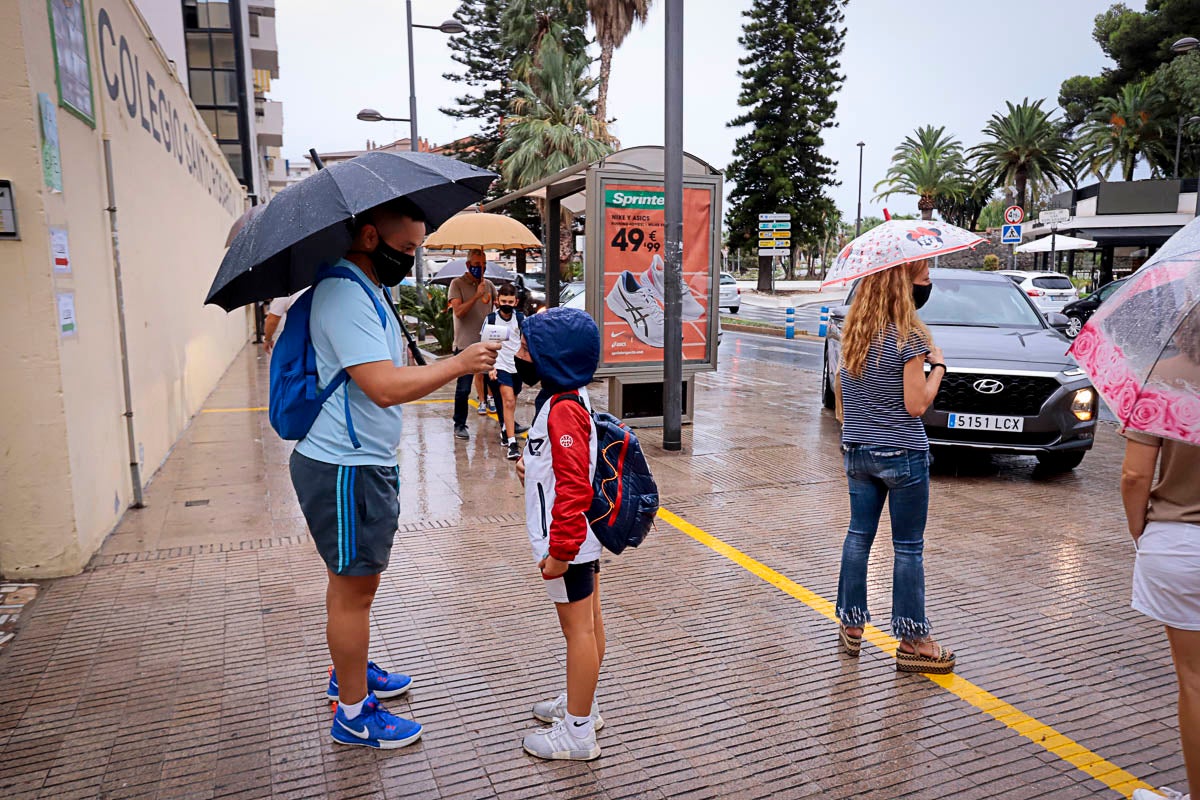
(505, 311)
(527, 372)
(921, 293)
(391, 265)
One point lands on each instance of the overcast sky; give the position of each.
(942, 62)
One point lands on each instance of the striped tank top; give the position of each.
(873, 403)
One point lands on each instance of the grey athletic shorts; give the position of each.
(351, 512)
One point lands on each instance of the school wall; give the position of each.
(65, 461)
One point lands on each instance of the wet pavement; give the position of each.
(189, 659)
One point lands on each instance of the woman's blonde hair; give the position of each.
(882, 299)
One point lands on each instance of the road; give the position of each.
(807, 317)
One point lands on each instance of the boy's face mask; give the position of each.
(527, 372)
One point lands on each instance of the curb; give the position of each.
(768, 331)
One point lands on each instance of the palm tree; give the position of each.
(1124, 130)
(929, 165)
(614, 20)
(964, 209)
(553, 126)
(1025, 145)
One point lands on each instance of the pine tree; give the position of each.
(790, 75)
(487, 68)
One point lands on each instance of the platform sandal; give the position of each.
(851, 644)
(940, 664)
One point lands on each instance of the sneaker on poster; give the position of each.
(557, 744)
(556, 709)
(375, 727)
(637, 305)
(653, 277)
(383, 684)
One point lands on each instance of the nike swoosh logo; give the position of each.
(579, 724)
(363, 734)
(616, 335)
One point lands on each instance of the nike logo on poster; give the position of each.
(363, 734)
(616, 335)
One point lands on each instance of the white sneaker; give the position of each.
(556, 709)
(637, 305)
(653, 277)
(557, 744)
(1163, 792)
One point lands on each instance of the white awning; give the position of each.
(1061, 243)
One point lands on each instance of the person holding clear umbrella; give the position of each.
(1142, 352)
(889, 375)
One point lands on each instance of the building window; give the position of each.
(213, 76)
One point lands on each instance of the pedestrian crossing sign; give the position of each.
(1010, 234)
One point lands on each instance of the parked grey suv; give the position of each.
(1010, 387)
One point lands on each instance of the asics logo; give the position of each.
(363, 734)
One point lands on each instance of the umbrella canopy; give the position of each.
(1061, 244)
(1142, 347)
(240, 222)
(471, 230)
(458, 268)
(307, 225)
(895, 242)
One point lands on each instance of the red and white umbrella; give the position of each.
(896, 242)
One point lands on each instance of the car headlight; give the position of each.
(1083, 406)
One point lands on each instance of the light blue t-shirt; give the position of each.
(346, 331)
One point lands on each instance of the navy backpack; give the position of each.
(624, 494)
(295, 401)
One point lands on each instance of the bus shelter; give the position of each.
(620, 199)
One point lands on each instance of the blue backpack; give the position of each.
(624, 494)
(295, 401)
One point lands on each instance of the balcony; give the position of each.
(268, 122)
(264, 47)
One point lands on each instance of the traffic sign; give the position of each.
(774, 226)
(1010, 234)
(1014, 215)
(762, 251)
(1054, 216)
(777, 234)
(774, 242)
(774, 217)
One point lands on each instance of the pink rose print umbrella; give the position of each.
(895, 242)
(1142, 347)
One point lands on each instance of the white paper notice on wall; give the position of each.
(60, 251)
(66, 313)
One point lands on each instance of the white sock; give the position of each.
(579, 727)
(352, 710)
(512, 440)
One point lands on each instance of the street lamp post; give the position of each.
(1185, 45)
(450, 27)
(858, 215)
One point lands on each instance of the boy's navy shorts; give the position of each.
(351, 512)
(509, 379)
(577, 583)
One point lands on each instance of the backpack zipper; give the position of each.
(542, 500)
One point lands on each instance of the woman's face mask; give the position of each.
(921, 293)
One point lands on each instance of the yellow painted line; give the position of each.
(1037, 732)
(231, 410)
(436, 401)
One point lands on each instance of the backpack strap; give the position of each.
(343, 377)
(491, 318)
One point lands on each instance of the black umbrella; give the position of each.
(278, 251)
(458, 267)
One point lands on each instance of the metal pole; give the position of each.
(858, 215)
(1053, 260)
(135, 471)
(1178, 142)
(673, 217)
(415, 146)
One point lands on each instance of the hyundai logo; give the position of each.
(988, 386)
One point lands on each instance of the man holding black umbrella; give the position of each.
(347, 479)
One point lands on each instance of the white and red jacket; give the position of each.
(560, 461)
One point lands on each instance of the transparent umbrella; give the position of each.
(1142, 347)
(896, 242)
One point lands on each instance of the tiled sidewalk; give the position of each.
(189, 660)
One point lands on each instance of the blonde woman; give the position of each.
(885, 389)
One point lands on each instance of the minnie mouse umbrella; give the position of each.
(896, 242)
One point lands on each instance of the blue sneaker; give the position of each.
(374, 727)
(381, 683)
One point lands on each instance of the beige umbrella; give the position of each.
(472, 229)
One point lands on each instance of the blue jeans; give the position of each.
(901, 476)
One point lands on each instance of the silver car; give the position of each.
(730, 295)
(1010, 387)
(1049, 291)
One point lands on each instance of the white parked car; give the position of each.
(1049, 291)
(731, 295)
